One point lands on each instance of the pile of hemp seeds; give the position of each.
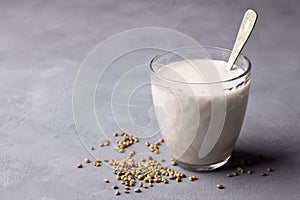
(137, 175)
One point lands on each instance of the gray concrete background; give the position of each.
(42, 44)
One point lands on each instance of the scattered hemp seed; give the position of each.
(220, 186)
(162, 160)
(161, 140)
(239, 169)
(153, 148)
(131, 153)
(121, 150)
(101, 145)
(263, 174)
(97, 164)
(133, 173)
(270, 169)
(230, 175)
(79, 166)
(92, 148)
(86, 160)
(115, 187)
(106, 180)
(127, 141)
(127, 188)
(116, 134)
(192, 178)
(165, 181)
(126, 191)
(106, 143)
(250, 171)
(235, 174)
(137, 190)
(173, 163)
(117, 192)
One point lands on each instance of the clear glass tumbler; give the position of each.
(200, 120)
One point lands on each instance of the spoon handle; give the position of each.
(245, 30)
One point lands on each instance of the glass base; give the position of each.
(202, 167)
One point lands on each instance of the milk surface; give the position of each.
(200, 122)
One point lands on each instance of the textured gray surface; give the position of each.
(42, 44)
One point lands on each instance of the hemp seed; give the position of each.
(161, 140)
(101, 145)
(97, 164)
(115, 187)
(106, 180)
(117, 193)
(86, 160)
(131, 153)
(220, 186)
(116, 134)
(263, 174)
(270, 169)
(121, 150)
(192, 178)
(137, 190)
(235, 174)
(127, 188)
(106, 143)
(79, 166)
(239, 169)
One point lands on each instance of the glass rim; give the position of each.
(247, 71)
